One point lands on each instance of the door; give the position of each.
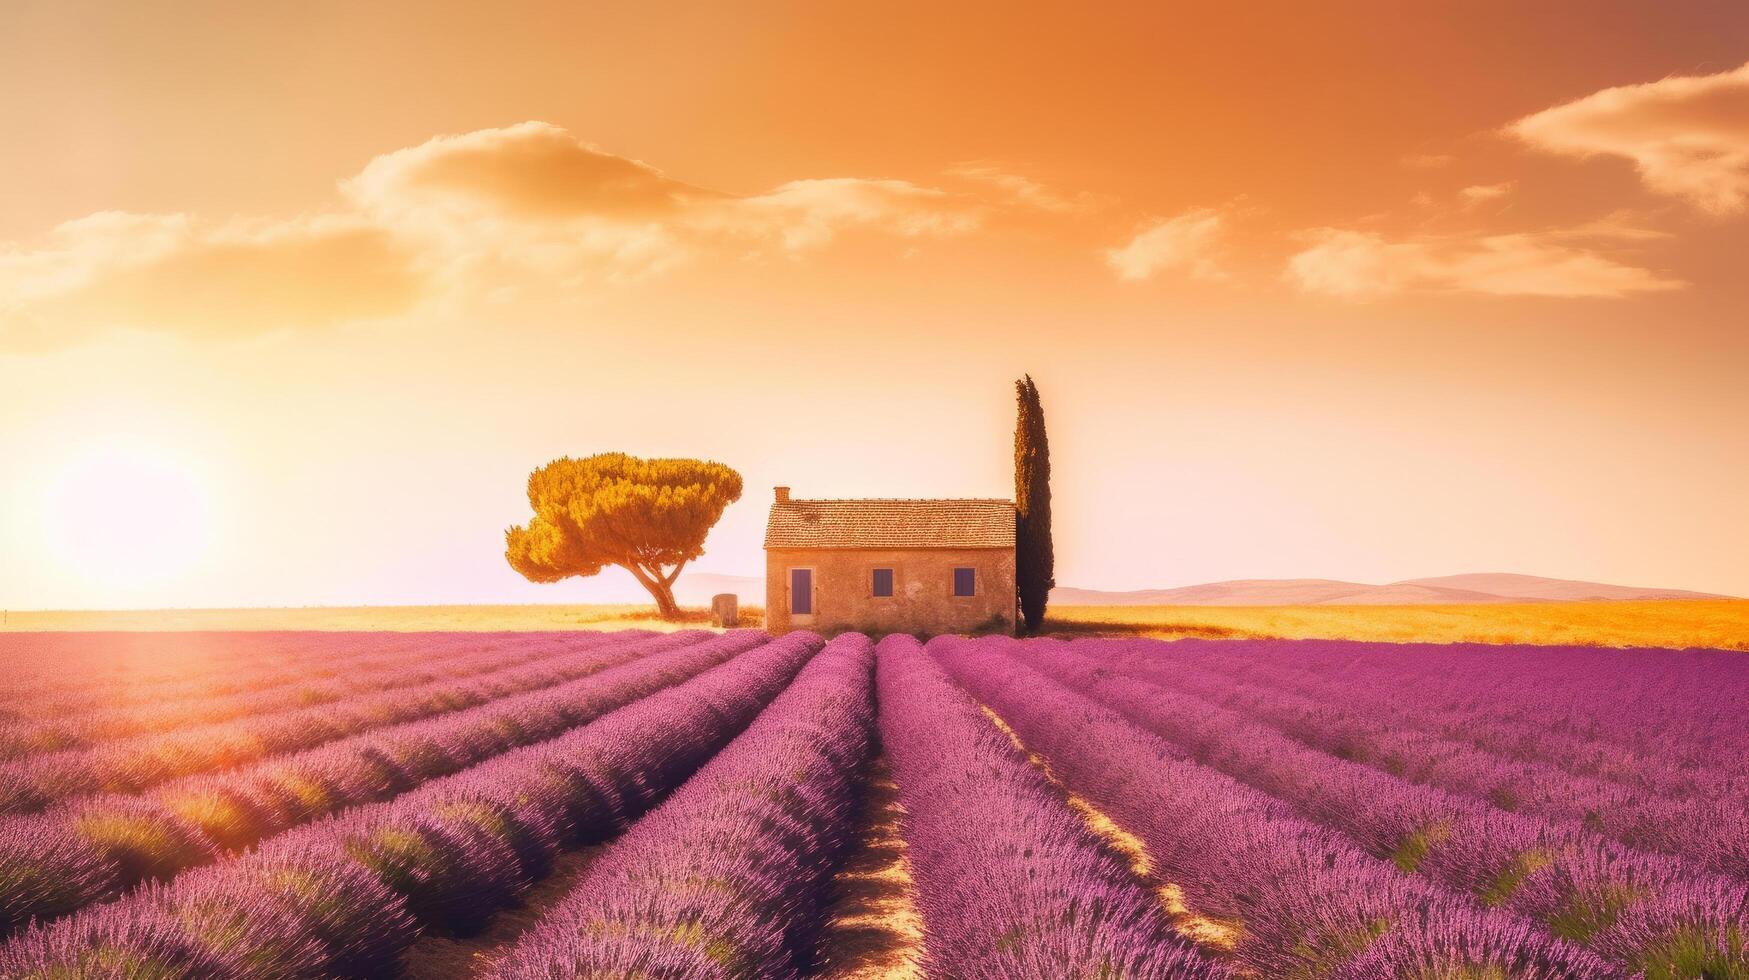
(801, 595)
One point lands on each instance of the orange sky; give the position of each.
(293, 297)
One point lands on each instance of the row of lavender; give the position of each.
(1010, 882)
(1703, 830)
(42, 664)
(1674, 722)
(95, 849)
(728, 878)
(1334, 868)
(1312, 901)
(347, 895)
(351, 670)
(1637, 910)
(130, 765)
(49, 674)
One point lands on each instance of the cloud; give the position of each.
(1026, 192)
(1622, 225)
(530, 170)
(1477, 195)
(805, 214)
(478, 214)
(533, 189)
(174, 274)
(1185, 243)
(1688, 136)
(1365, 265)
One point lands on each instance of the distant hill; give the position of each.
(1533, 587)
(696, 589)
(1483, 587)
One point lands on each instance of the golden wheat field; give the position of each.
(1720, 624)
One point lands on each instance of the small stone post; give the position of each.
(725, 610)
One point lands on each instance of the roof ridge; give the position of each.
(896, 500)
(902, 522)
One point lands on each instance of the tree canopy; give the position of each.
(648, 516)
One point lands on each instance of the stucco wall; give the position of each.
(922, 600)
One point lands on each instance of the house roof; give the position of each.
(890, 524)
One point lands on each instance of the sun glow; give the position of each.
(127, 516)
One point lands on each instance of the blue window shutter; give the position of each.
(883, 582)
(801, 591)
(965, 581)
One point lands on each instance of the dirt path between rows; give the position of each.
(873, 930)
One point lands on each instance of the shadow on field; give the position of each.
(441, 957)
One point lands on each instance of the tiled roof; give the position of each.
(890, 524)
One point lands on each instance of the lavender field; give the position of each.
(635, 804)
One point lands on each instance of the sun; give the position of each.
(127, 516)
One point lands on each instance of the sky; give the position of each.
(293, 297)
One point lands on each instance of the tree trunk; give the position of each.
(665, 604)
(660, 588)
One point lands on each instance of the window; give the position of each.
(965, 581)
(801, 591)
(883, 583)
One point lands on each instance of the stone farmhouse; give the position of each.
(887, 566)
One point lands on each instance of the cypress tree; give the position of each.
(1034, 559)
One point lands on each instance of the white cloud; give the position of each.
(804, 214)
(1027, 192)
(1365, 265)
(535, 190)
(1623, 225)
(175, 274)
(484, 213)
(1186, 243)
(1688, 136)
(1477, 195)
(529, 170)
